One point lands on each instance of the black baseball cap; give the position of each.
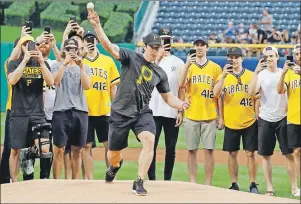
(165, 32)
(202, 40)
(152, 39)
(235, 51)
(90, 33)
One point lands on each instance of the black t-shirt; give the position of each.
(137, 81)
(27, 93)
(264, 35)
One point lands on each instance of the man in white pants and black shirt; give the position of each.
(166, 117)
(272, 117)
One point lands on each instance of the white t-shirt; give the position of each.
(273, 106)
(172, 66)
(49, 96)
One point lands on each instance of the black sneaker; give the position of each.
(138, 188)
(253, 188)
(111, 172)
(234, 186)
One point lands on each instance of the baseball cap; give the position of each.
(26, 38)
(165, 32)
(270, 48)
(234, 51)
(297, 48)
(202, 40)
(152, 39)
(90, 33)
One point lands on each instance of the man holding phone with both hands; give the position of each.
(165, 116)
(70, 115)
(28, 126)
(272, 118)
(239, 116)
(104, 78)
(290, 84)
(198, 77)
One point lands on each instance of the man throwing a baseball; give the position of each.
(130, 109)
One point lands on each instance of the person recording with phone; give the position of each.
(239, 116)
(105, 78)
(45, 43)
(290, 85)
(28, 126)
(70, 112)
(272, 118)
(4, 166)
(164, 116)
(204, 116)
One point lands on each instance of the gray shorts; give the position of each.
(195, 131)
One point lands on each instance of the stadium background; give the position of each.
(133, 23)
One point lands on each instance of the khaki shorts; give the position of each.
(195, 131)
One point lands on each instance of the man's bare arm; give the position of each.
(102, 37)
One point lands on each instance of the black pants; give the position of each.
(4, 168)
(171, 136)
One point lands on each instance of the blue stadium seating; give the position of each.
(190, 19)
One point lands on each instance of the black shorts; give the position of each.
(20, 130)
(294, 135)
(120, 126)
(267, 134)
(100, 124)
(249, 139)
(70, 126)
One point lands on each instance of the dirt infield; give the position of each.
(83, 191)
(221, 157)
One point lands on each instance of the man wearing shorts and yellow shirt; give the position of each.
(290, 83)
(239, 116)
(198, 77)
(104, 79)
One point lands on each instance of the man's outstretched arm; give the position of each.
(102, 37)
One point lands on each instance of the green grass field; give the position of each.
(133, 143)
(221, 177)
(11, 33)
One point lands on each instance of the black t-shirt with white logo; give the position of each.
(27, 93)
(138, 78)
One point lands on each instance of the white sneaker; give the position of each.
(297, 193)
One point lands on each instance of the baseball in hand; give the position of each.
(90, 6)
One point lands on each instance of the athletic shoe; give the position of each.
(234, 186)
(111, 172)
(138, 188)
(297, 193)
(253, 188)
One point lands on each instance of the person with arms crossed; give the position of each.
(70, 112)
(105, 78)
(130, 109)
(28, 125)
(290, 84)
(198, 77)
(165, 116)
(272, 117)
(239, 116)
